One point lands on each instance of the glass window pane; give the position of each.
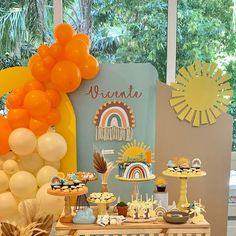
(206, 31)
(123, 31)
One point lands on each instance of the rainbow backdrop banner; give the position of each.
(114, 120)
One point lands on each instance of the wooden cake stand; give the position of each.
(67, 218)
(135, 183)
(183, 201)
(81, 200)
(102, 206)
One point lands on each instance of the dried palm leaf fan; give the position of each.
(102, 167)
(99, 163)
(33, 229)
(35, 223)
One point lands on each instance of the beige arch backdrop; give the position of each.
(210, 143)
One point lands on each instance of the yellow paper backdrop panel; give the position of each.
(16, 77)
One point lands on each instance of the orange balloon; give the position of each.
(40, 71)
(66, 76)
(54, 97)
(53, 117)
(84, 37)
(18, 118)
(63, 33)
(76, 51)
(38, 127)
(55, 50)
(43, 50)
(33, 85)
(37, 103)
(90, 69)
(48, 62)
(4, 135)
(15, 98)
(33, 59)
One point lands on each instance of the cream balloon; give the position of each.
(10, 167)
(8, 205)
(55, 164)
(45, 175)
(23, 185)
(4, 182)
(8, 156)
(14, 218)
(1, 164)
(22, 141)
(52, 146)
(31, 163)
(49, 204)
(31, 206)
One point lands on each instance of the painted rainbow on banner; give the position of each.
(114, 120)
(137, 170)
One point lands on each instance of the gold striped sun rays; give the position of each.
(200, 93)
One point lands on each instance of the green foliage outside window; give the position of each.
(129, 31)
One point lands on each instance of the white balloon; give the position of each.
(4, 182)
(55, 164)
(31, 163)
(22, 141)
(14, 218)
(8, 156)
(8, 205)
(52, 146)
(45, 175)
(31, 206)
(23, 185)
(49, 204)
(10, 167)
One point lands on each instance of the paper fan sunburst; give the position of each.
(135, 152)
(201, 93)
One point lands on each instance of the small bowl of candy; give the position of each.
(176, 217)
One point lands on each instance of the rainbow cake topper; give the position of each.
(114, 120)
(137, 170)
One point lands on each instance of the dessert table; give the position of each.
(151, 228)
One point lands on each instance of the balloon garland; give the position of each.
(30, 153)
(58, 68)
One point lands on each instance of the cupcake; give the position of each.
(170, 164)
(76, 182)
(161, 184)
(70, 184)
(184, 163)
(56, 183)
(196, 163)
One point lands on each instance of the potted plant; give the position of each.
(122, 208)
(161, 184)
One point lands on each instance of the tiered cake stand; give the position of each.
(81, 200)
(135, 182)
(101, 206)
(67, 218)
(183, 201)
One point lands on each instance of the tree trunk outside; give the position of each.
(85, 16)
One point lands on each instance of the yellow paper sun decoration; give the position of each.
(201, 93)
